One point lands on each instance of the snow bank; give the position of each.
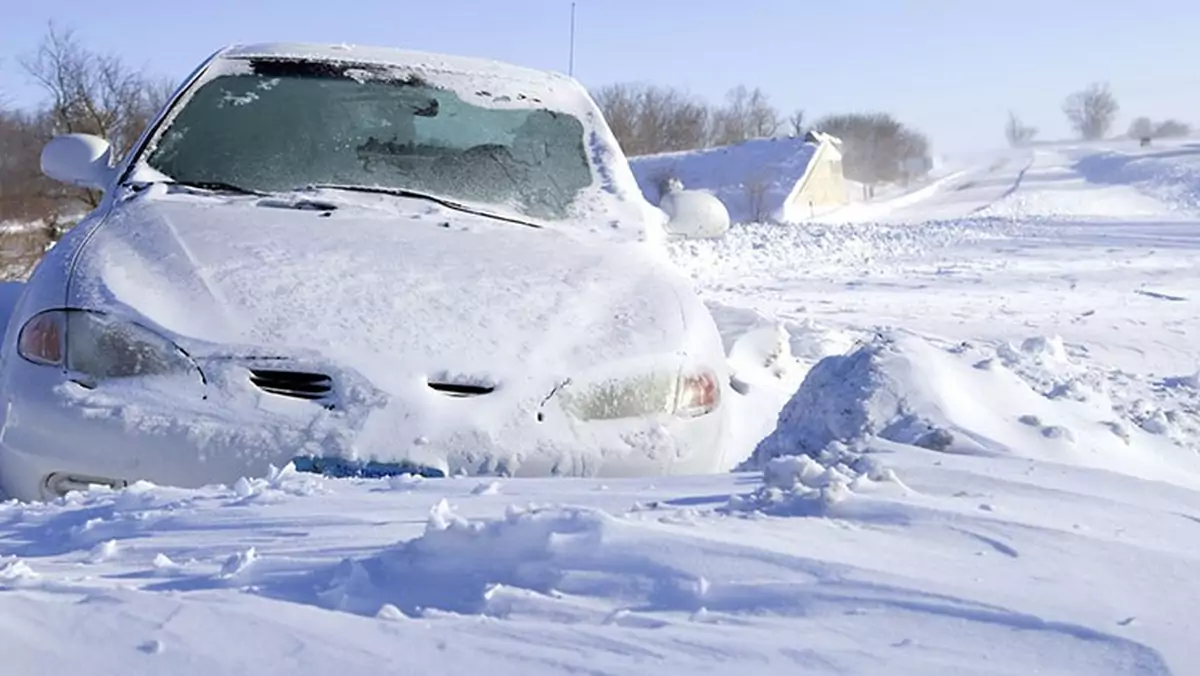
(753, 179)
(879, 389)
(888, 199)
(1170, 173)
(763, 254)
(768, 358)
(1049, 187)
(1020, 400)
(1105, 184)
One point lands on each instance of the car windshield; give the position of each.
(283, 125)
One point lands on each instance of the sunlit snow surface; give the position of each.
(990, 466)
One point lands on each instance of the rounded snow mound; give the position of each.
(901, 388)
(889, 388)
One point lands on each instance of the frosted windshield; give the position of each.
(284, 125)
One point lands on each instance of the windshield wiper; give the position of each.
(217, 186)
(417, 194)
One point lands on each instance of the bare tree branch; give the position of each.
(796, 122)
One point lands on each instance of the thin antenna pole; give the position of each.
(571, 61)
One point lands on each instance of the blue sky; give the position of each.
(949, 67)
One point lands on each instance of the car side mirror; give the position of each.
(78, 159)
(694, 214)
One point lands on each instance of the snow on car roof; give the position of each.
(549, 86)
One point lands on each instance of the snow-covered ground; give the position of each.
(990, 464)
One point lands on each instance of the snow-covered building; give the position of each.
(773, 179)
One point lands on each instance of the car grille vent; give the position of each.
(295, 384)
(462, 390)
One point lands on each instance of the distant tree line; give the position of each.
(1145, 128)
(1092, 112)
(649, 119)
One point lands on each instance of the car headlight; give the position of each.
(687, 395)
(99, 346)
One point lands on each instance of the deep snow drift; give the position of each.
(970, 432)
(750, 178)
(1024, 400)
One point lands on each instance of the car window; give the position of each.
(287, 126)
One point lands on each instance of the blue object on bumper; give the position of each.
(341, 468)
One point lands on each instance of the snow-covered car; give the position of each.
(365, 261)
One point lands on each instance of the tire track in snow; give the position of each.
(1033, 157)
(995, 544)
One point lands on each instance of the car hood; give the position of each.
(410, 290)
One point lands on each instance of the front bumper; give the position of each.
(174, 438)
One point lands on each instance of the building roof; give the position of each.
(734, 173)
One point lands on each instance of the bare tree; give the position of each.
(747, 114)
(26, 196)
(730, 122)
(796, 123)
(620, 107)
(1092, 111)
(764, 119)
(915, 155)
(25, 193)
(1017, 133)
(93, 93)
(1141, 127)
(877, 148)
(671, 120)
